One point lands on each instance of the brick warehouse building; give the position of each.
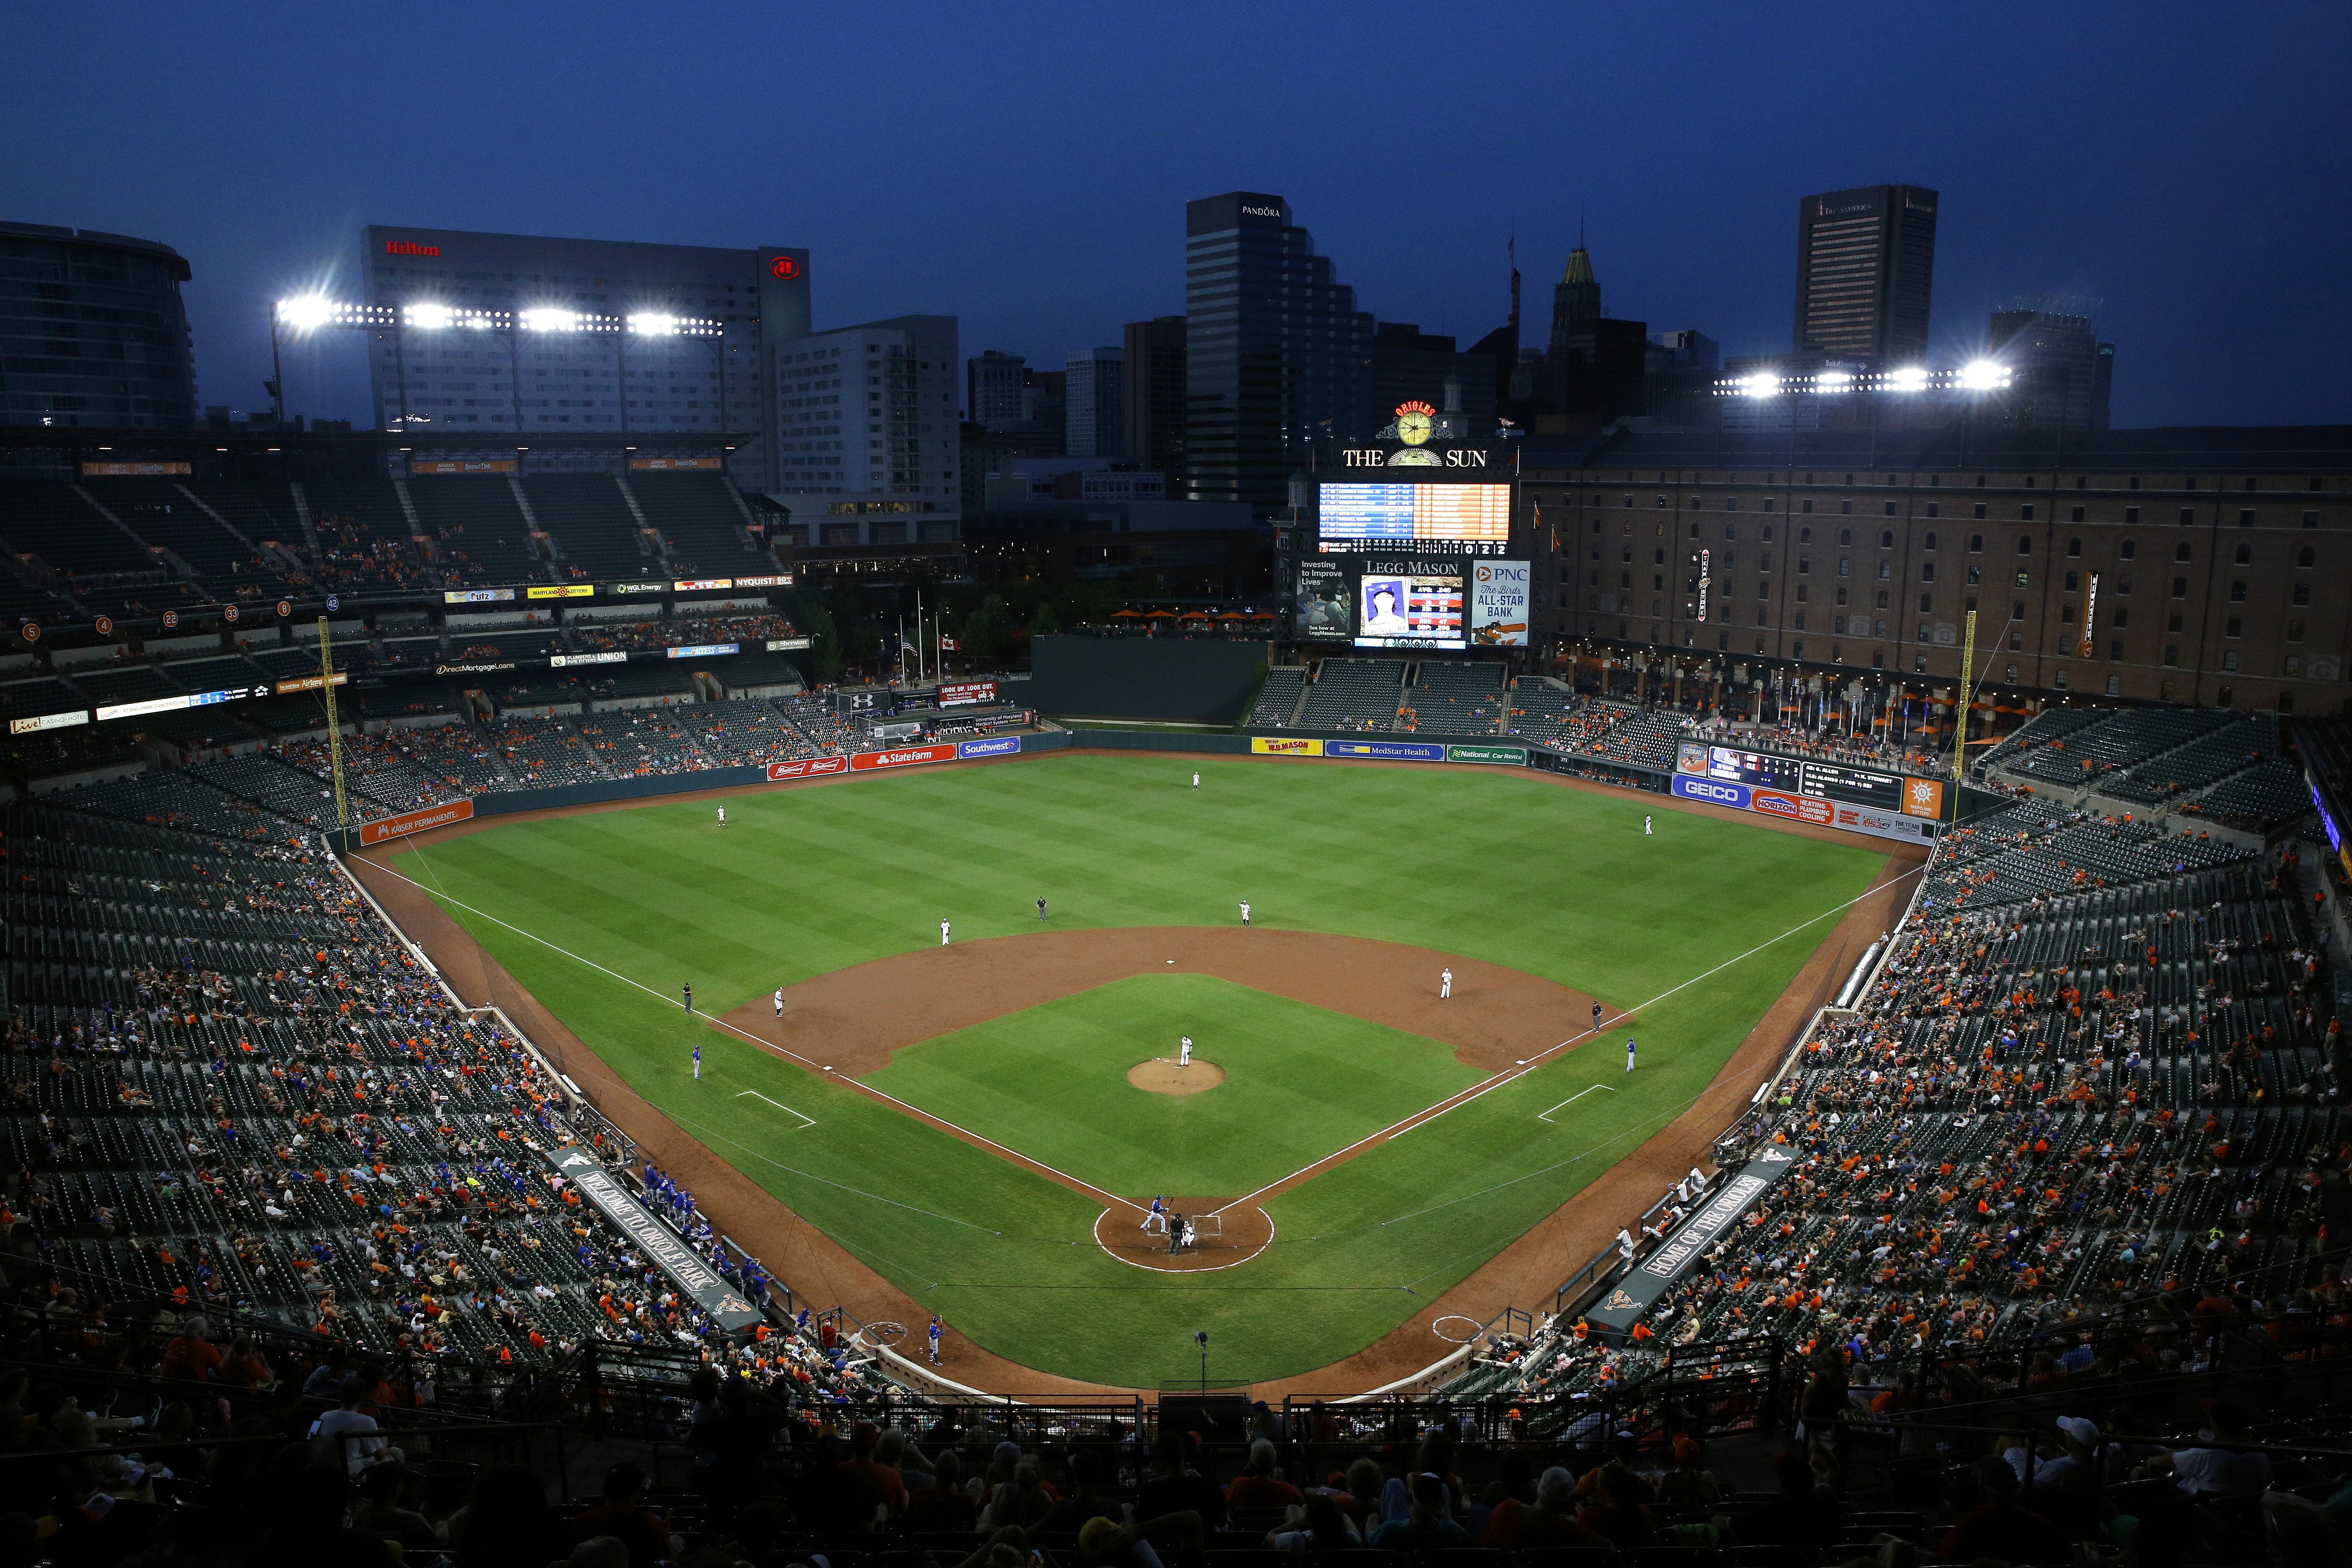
(2221, 557)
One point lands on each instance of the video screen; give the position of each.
(1326, 606)
(1465, 520)
(1409, 609)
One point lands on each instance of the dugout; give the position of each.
(1171, 679)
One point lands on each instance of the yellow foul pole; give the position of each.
(334, 726)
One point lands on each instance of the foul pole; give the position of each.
(1960, 715)
(334, 725)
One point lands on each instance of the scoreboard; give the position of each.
(1794, 775)
(1452, 518)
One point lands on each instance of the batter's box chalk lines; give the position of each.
(1571, 1099)
(806, 1121)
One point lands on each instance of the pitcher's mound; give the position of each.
(1167, 1078)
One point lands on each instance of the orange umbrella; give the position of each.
(1160, 615)
(1124, 615)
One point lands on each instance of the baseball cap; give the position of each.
(2083, 1431)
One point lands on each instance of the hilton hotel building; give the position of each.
(2191, 565)
(863, 417)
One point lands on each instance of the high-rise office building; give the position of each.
(871, 424)
(92, 331)
(2060, 374)
(1096, 420)
(1865, 266)
(993, 383)
(1595, 365)
(1409, 364)
(1277, 357)
(1155, 395)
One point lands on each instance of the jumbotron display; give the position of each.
(1459, 519)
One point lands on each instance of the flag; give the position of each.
(947, 643)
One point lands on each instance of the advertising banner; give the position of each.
(1285, 746)
(639, 587)
(669, 1252)
(478, 597)
(125, 470)
(774, 580)
(465, 466)
(1797, 807)
(1498, 603)
(807, 768)
(1656, 1274)
(1002, 746)
(1690, 757)
(785, 644)
(1325, 609)
(1922, 797)
(1516, 756)
(958, 693)
(705, 650)
(906, 757)
(1715, 792)
(1410, 603)
(416, 821)
(49, 721)
(671, 465)
(487, 667)
(1387, 751)
(562, 590)
(697, 585)
(312, 682)
(565, 660)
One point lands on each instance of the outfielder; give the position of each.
(1244, 911)
(722, 816)
(1196, 778)
(1444, 982)
(1645, 827)
(943, 933)
(1185, 1052)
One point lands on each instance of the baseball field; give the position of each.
(984, 1124)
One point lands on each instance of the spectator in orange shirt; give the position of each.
(190, 1354)
(1257, 1487)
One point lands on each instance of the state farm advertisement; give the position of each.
(409, 822)
(906, 757)
(807, 768)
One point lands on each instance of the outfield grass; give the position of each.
(1493, 863)
(1300, 1082)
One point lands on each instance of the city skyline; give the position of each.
(2088, 167)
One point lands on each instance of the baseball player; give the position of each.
(1244, 911)
(1596, 1017)
(943, 933)
(1444, 982)
(1175, 1232)
(722, 816)
(1629, 1053)
(780, 1001)
(938, 1330)
(690, 996)
(1041, 910)
(1645, 827)
(1159, 1211)
(698, 1063)
(1196, 778)
(1185, 1052)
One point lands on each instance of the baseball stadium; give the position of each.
(585, 1021)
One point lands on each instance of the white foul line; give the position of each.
(806, 1120)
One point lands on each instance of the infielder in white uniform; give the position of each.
(943, 933)
(1445, 983)
(780, 1001)
(1185, 1052)
(1244, 911)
